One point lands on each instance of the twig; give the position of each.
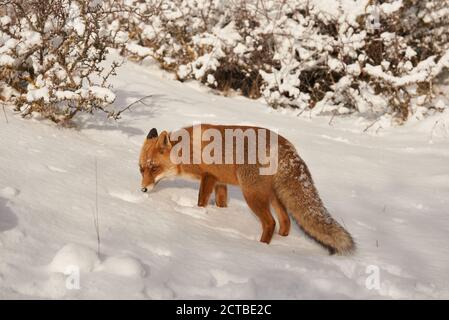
(433, 129)
(4, 112)
(378, 128)
(301, 112)
(117, 115)
(334, 113)
(372, 124)
(96, 217)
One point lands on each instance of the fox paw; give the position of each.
(221, 205)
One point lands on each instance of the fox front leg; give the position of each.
(208, 182)
(221, 195)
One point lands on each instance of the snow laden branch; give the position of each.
(50, 57)
(424, 71)
(339, 58)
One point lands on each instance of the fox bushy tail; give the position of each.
(295, 190)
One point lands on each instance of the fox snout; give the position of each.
(147, 182)
(147, 188)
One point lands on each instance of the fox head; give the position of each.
(154, 162)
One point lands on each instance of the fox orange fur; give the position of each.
(289, 190)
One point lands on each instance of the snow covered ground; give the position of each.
(388, 186)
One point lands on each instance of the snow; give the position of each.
(75, 21)
(138, 50)
(335, 64)
(355, 7)
(8, 192)
(66, 95)
(211, 79)
(388, 186)
(436, 15)
(6, 60)
(228, 34)
(240, 49)
(413, 77)
(30, 39)
(102, 93)
(410, 53)
(389, 8)
(5, 20)
(37, 94)
(123, 266)
(70, 255)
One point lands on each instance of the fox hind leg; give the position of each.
(206, 187)
(284, 219)
(221, 195)
(260, 205)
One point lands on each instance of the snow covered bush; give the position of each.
(50, 55)
(376, 59)
(406, 54)
(212, 41)
(366, 56)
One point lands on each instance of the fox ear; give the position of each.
(163, 141)
(152, 134)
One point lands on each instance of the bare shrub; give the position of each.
(50, 57)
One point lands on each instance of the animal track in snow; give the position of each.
(9, 192)
(338, 139)
(123, 266)
(188, 206)
(126, 196)
(364, 225)
(161, 252)
(56, 169)
(159, 291)
(198, 213)
(393, 269)
(223, 278)
(157, 250)
(184, 201)
(233, 233)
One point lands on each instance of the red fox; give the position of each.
(289, 189)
